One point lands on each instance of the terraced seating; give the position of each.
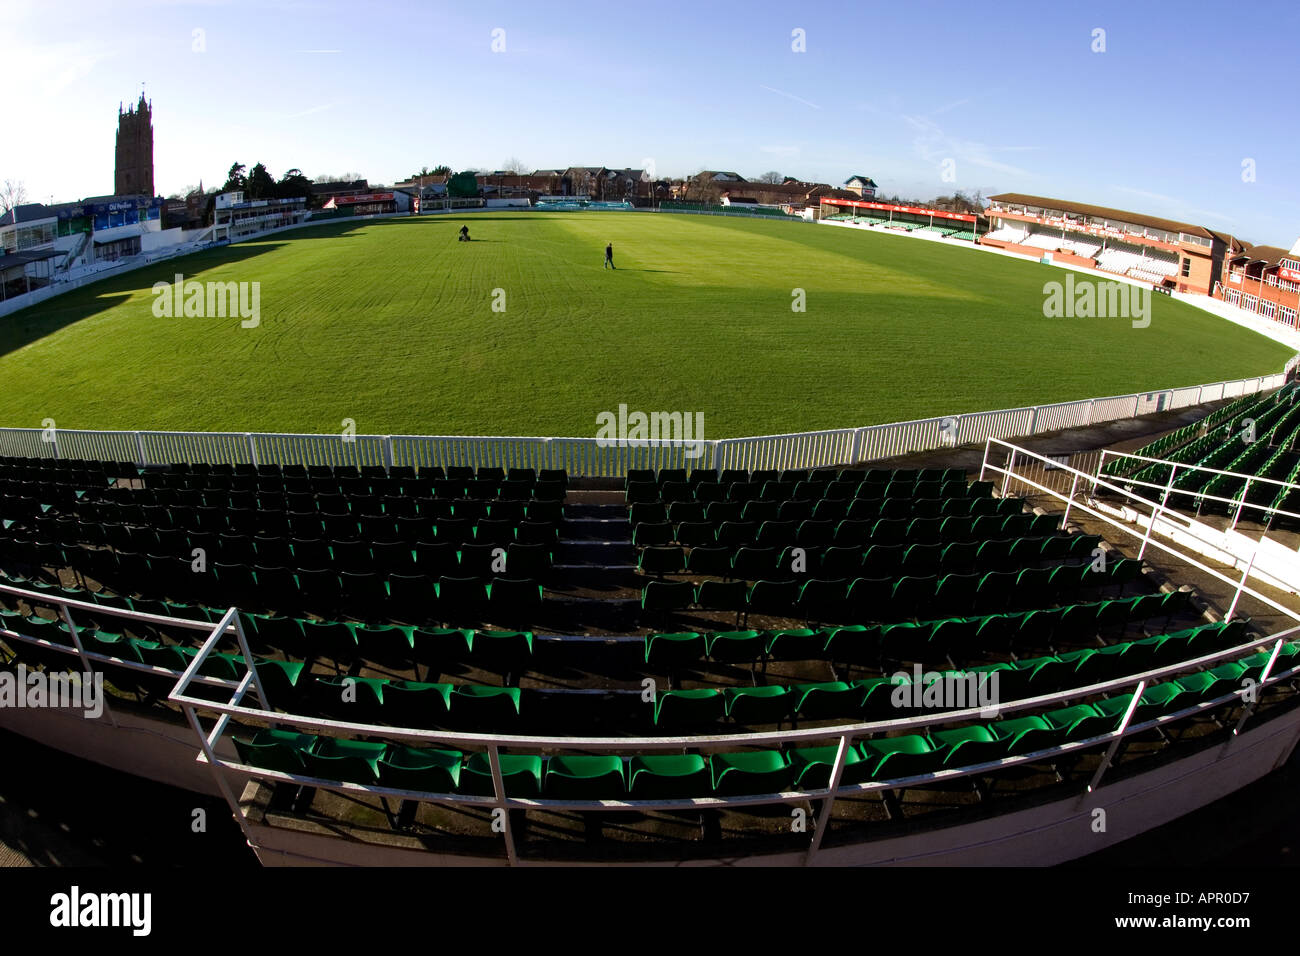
(797, 598)
(1220, 441)
(740, 773)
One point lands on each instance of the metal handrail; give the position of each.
(1147, 539)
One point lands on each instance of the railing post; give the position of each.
(1242, 583)
(1240, 504)
(1119, 736)
(87, 671)
(252, 448)
(1249, 709)
(499, 787)
(139, 450)
(984, 466)
(824, 815)
(1156, 513)
(1069, 501)
(248, 659)
(388, 452)
(1011, 466)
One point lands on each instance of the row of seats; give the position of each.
(365, 595)
(848, 532)
(923, 640)
(697, 776)
(638, 492)
(876, 560)
(133, 534)
(443, 705)
(887, 599)
(352, 472)
(824, 509)
(761, 476)
(305, 489)
(309, 525)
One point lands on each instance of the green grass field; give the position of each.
(390, 323)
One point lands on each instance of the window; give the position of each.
(1187, 266)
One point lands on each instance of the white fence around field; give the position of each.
(597, 458)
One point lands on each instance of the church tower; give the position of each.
(134, 169)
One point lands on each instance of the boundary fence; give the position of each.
(595, 457)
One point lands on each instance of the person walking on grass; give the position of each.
(609, 256)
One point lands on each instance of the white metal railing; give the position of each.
(594, 457)
(846, 734)
(1079, 480)
(230, 627)
(1236, 505)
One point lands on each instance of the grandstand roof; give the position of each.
(14, 259)
(1104, 212)
(1273, 255)
(27, 212)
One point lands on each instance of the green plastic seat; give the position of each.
(669, 777)
(664, 596)
(769, 704)
(799, 644)
(893, 758)
(280, 681)
(483, 705)
(829, 700)
(813, 767)
(966, 746)
(1022, 735)
(674, 650)
(521, 774)
(356, 699)
(1079, 722)
(585, 777)
(750, 772)
(1203, 686)
(416, 704)
(420, 770)
(279, 750)
(879, 695)
(736, 647)
(689, 708)
(660, 560)
(352, 761)
(502, 651)
(852, 644)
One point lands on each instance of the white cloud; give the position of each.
(933, 145)
(797, 99)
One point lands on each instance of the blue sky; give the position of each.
(1012, 93)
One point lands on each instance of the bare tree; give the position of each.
(514, 167)
(770, 177)
(13, 193)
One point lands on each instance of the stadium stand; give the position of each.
(1223, 440)
(493, 601)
